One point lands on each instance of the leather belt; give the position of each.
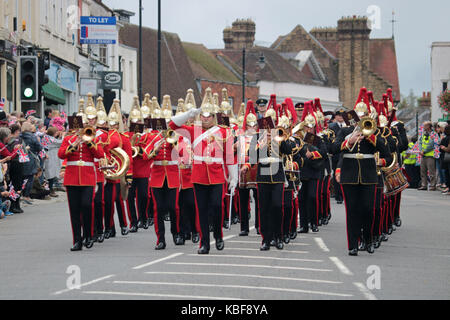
(165, 163)
(209, 160)
(185, 166)
(80, 164)
(269, 160)
(359, 156)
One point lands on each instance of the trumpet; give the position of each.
(283, 135)
(171, 137)
(367, 126)
(87, 134)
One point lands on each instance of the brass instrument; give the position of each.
(290, 169)
(136, 137)
(118, 165)
(367, 126)
(283, 135)
(87, 134)
(171, 137)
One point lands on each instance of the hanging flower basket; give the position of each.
(444, 101)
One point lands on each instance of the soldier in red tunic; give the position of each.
(213, 149)
(80, 151)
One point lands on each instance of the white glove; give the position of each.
(233, 177)
(184, 117)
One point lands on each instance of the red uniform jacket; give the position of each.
(101, 138)
(213, 151)
(186, 159)
(165, 163)
(142, 165)
(80, 169)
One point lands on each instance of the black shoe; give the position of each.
(340, 202)
(166, 217)
(280, 244)
(314, 228)
(384, 238)
(293, 235)
(220, 244)
(140, 225)
(273, 243)
(353, 252)
(146, 225)
(16, 211)
(101, 238)
(89, 243)
(187, 236)
(257, 231)
(394, 228)
(398, 222)
(107, 234)
(195, 238)
(362, 246)
(390, 230)
(160, 246)
(265, 247)
(112, 233)
(329, 218)
(320, 222)
(303, 230)
(287, 239)
(78, 246)
(178, 240)
(226, 225)
(203, 250)
(134, 229)
(377, 242)
(150, 222)
(371, 248)
(235, 220)
(243, 234)
(124, 231)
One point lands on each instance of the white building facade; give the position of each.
(440, 76)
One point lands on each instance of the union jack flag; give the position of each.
(23, 157)
(30, 113)
(42, 154)
(13, 195)
(24, 184)
(2, 103)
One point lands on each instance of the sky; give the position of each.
(419, 24)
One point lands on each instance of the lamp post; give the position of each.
(243, 75)
(140, 51)
(159, 51)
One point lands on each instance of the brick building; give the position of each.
(348, 57)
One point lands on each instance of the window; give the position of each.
(103, 54)
(444, 86)
(10, 84)
(125, 75)
(131, 73)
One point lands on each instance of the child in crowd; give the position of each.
(39, 191)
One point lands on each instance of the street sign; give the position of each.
(98, 30)
(88, 85)
(111, 80)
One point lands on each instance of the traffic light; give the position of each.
(29, 86)
(44, 64)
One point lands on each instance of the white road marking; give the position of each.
(259, 242)
(161, 295)
(247, 266)
(341, 266)
(85, 284)
(254, 257)
(233, 287)
(252, 249)
(157, 261)
(366, 292)
(243, 276)
(322, 244)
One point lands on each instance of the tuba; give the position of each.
(118, 165)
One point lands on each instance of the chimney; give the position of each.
(240, 35)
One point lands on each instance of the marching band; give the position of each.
(205, 168)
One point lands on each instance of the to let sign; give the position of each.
(111, 79)
(98, 30)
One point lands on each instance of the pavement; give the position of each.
(36, 262)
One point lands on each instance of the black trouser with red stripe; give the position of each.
(325, 197)
(209, 199)
(165, 201)
(112, 195)
(244, 207)
(379, 207)
(288, 211)
(359, 202)
(81, 207)
(186, 203)
(138, 193)
(309, 203)
(270, 198)
(99, 208)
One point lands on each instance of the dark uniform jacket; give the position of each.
(270, 162)
(313, 169)
(361, 171)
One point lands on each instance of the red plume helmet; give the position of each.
(291, 108)
(250, 110)
(389, 93)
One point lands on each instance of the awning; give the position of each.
(53, 93)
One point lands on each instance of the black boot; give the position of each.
(220, 244)
(78, 246)
(88, 243)
(265, 246)
(160, 246)
(286, 239)
(124, 231)
(280, 244)
(203, 250)
(195, 238)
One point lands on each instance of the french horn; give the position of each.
(118, 165)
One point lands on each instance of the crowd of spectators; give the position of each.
(30, 167)
(427, 161)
